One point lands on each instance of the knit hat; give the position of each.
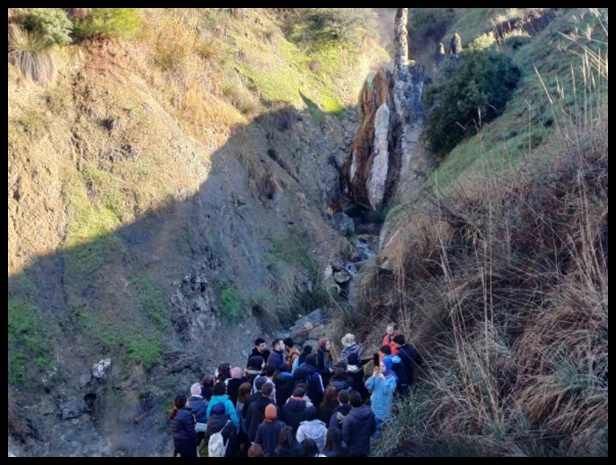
(348, 340)
(236, 373)
(195, 389)
(271, 413)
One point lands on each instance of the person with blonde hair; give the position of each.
(351, 346)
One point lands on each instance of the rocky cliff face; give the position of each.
(388, 159)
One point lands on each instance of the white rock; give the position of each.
(100, 369)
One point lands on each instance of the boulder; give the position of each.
(101, 369)
(74, 408)
(342, 277)
(343, 223)
(309, 325)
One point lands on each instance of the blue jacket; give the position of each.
(382, 395)
(229, 409)
(198, 406)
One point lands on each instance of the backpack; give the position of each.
(216, 446)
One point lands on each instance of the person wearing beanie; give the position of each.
(220, 422)
(220, 397)
(198, 406)
(351, 346)
(268, 432)
(283, 380)
(309, 375)
(256, 411)
(312, 428)
(233, 385)
(292, 352)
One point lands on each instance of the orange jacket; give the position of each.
(291, 356)
(387, 341)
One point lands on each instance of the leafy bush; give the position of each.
(483, 42)
(232, 302)
(477, 92)
(31, 53)
(53, 25)
(341, 24)
(110, 22)
(145, 351)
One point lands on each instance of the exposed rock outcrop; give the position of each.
(388, 158)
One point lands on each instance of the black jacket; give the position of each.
(284, 387)
(233, 389)
(198, 406)
(267, 436)
(256, 353)
(309, 375)
(249, 400)
(358, 381)
(218, 424)
(293, 413)
(255, 416)
(410, 359)
(344, 410)
(275, 359)
(284, 451)
(357, 429)
(183, 426)
(341, 384)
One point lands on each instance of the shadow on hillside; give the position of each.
(102, 298)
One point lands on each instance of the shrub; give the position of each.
(145, 351)
(341, 24)
(110, 22)
(232, 302)
(483, 42)
(477, 92)
(31, 53)
(50, 24)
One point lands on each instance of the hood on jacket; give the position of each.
(362, 413)
(219, 409)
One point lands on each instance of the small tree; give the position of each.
(477, 90)
(52, 25)
(110, 22)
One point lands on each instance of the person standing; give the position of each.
(183, 427)
(292, 352)
(276, 357)
(388, 340)
(325, 362)
(411, 359)
(382, 384)
(260, 349)
(312, 428)
(351, 346)
(343, 409)
(288, 445)
(358, 427)
(268, 432)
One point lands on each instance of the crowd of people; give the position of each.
(292, 403)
